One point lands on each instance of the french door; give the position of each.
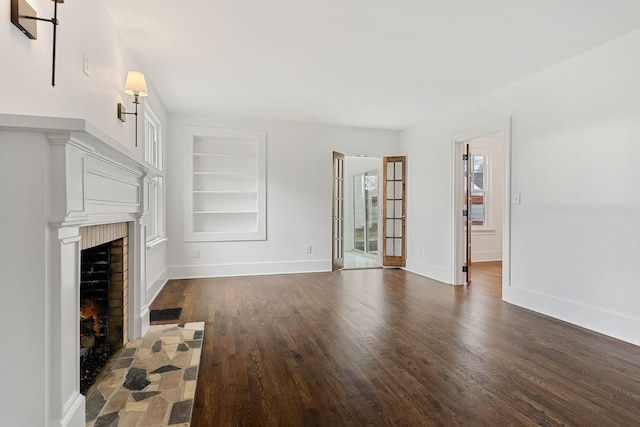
(466, 210)
(337, 250)
(394, 212)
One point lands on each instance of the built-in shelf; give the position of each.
(222, 192)
(226, 185)
(220, 155)
(225, 212)
(223, 173)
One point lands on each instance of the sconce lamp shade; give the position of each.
(135, 84)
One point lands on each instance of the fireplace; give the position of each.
(64, 178)
(103, 296)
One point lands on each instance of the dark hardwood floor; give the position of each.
(391, 348)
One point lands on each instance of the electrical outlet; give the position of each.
(196, 253)
(308, 249)
(86, 65)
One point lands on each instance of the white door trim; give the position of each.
(458, 140)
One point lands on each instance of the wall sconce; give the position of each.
(136, 86)
(24, 17)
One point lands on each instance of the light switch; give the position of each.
(86, 65)
(516, 198)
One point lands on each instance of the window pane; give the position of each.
(478, 210)
(390, 187)
(389, 249)
(390, 174)
(398, 212)
(390, 209)
(398, 228)
(398, 247)
(389, 228)
(479, 166)
(398, 190)
(398, 175)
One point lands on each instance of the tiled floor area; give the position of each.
(151, 382)
(353, 260)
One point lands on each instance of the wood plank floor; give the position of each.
(391, 348)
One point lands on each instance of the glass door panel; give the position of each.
(365, 212)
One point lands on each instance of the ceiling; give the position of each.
(371, 63)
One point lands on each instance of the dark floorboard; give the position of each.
(386, 347)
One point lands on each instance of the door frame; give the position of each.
(459, 140)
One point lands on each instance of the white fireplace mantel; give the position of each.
(57, 175)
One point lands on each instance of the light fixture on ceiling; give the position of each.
(136, 86)
(23, 17)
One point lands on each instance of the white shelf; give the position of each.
(223, 212)
(223, 173)
(226, 185)
(224, 155)
(223, 192)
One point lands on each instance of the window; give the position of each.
(480, 190)
(152, 141)
(154, 201)
(225, 185)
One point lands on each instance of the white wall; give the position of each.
(85, 28)
(299, 191)
(25, 84)
(575, 133)
(486, 241)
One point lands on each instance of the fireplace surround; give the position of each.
(58, 178)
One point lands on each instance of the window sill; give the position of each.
(155, 242)
(483, 231)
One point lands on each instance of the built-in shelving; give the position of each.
(226, 185)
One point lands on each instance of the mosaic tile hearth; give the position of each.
(151, 382)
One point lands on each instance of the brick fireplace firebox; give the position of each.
(118, 236)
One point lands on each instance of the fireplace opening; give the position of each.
(103, 277)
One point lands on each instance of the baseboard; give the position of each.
(431, 271)
(248, 269)
(74, 412)
(156, 286)
(484, 256)
(611, 324)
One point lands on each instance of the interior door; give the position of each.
(466, 210)
(338, 212)
(394, 212)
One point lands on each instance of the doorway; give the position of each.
(363, 210)
(481, 198)
(376, 238)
